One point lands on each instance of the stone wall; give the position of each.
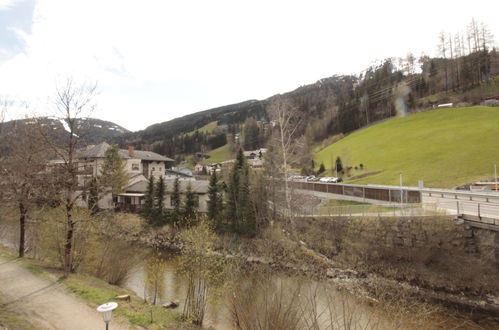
(433, 250)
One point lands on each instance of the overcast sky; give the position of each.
(157, 60)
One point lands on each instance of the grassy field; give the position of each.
(220, 154)
(206, 128)
(444, 148)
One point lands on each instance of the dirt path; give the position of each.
(45, 303)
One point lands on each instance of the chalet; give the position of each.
(198, 169)
(137, 161)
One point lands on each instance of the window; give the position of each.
(135, 167)
(154, 169)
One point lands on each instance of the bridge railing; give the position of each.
(366, 210)
(477, 209)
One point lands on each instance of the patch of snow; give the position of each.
(66, 127)
(98, 126)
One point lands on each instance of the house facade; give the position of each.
(147, 163)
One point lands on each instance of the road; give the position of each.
(462, 206)
(45, 303)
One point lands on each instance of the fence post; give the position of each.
(479, 210)
(457, 203)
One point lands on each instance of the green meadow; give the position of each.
(442, 147)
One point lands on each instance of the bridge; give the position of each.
(478, 209)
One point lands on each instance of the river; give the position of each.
(310, 301)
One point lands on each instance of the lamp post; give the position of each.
(107, 311)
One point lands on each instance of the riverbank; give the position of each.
(425, 258)
(336, 254)
(38, 296)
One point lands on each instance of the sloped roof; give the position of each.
(178, 173)
(198, 186)
(139, 184)
(148, 155)
(99, 151)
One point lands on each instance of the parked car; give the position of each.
(312, 178)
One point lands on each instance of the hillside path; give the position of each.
(45, 303)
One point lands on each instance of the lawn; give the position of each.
(443, 147)
(220, 154)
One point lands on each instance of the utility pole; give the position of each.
(495, 175)
(401, 191)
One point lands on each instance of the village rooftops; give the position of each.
(139, 184)
(99, 151)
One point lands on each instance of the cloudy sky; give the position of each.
(157, 60)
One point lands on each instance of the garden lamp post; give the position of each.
(107, 311)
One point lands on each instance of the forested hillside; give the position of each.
(93, 130)
(463, 73)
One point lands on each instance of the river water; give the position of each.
(311, 301)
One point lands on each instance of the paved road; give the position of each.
(45, 303)
(462, 206)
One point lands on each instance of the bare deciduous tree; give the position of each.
(73, 103)
(287, 120)
(23, 171)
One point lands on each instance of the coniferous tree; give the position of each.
(215, 202)
(339, 165)
(322, 168)
(159, 196)
(148, 209)
(240, 209)
(190, 204)
(175, 201)
(93, 196)
(246, 207)
(113, 175)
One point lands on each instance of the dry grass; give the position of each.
(268, 302)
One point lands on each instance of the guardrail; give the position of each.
(472, 208)
(365, 210)
(456, 194)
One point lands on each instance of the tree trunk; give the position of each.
(22, 228)
(68, 247)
